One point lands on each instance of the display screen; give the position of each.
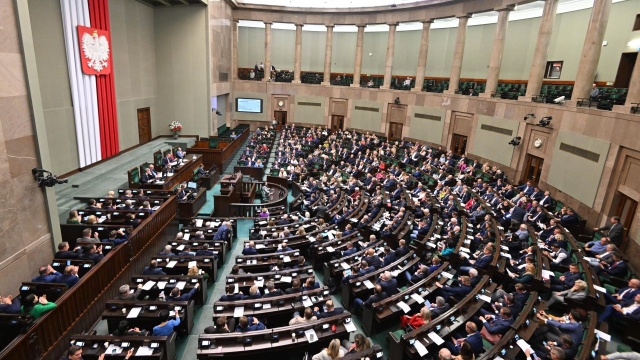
(249, 105)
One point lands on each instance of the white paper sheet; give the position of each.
(286, 259)
(238, 311)
(286, 279)
(484, 298)
(186, 236)
(600, 288)
(602, 335)
(259, 246)
(345, 266)
(171, 264)
(436, 338)
(523, 345)
(311, 335)
(112, 349)
(258, 283)
(403, 306)
(180, 285)
(368, 284)
(192, 264)
(180, 248)
(134, 313)
(148, 285)
(330, 249)
(307, 302)
(547, 274)
(422, 351)
(199, 222)
(162, 284)
(447, 275)
(419, 299)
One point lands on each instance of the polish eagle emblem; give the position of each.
(95, 49)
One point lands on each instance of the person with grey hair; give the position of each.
(167, 251)
(444, 354)
(632, 355)
(439, 307)
(125, 292)
(388, 283)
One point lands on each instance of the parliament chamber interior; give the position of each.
(382, 179)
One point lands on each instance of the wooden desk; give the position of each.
(183, 173)
(231, 346)
(205, 263)
(164, 347)
(147, 318)
(189, 209)
(200, 297)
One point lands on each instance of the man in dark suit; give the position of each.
(388, 283)
(458, 292)
(64, 253)
(153, 269)
(439, 307)
(330, 310)
(567, 280)
(570, 218)
(625, 294)
(250, 249)
(614, 231)
(527, 188)
(378, 295)
(47, 274)
(70, 276)
(177, 295)
(626, 309)
(473, 338)
(90, 252)
(205, 251)
(350, 250)
(295, 287)
(9, 305)
(125, 293)
(402, 249)
(372, 259)
(498, 325)
(231, 295)
(547, 201)
(272, 291)
(618, 269)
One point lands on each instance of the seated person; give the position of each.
(360, 343)
(596, 247)
(231, 295)
(571, 324)
(9, 305)
(116, 237)
(64, 253)
(493, 327)
(439, 307)
(70, 276)
(378, 295)
(567, 279)
(577, 293)
(333, 351)
(295, 287)
(419, 319)
(307, 317)
(626, 293)
(205, 251)
(176, 294)
(250, 249)
(167, 251)
(618, 269)
(37, 306)
(246, 324)
(473, 337)
(458, 292)
(47, 275)
(126, 293)
(271, 290)
(254, 293)
(329, 310)
(388, 283)
(220, 326)
(153, 269)
(626, 309)
(166, 327)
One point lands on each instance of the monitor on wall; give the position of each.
(249, 105)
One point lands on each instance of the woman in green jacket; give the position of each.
(37, 306)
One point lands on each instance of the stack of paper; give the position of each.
(148, 285)
(238, 311)
(134, 313)
(422, 351)
(368, 284)
(403, 306)
(171, 264)
(436, 338)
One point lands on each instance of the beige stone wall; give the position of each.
(24, 228)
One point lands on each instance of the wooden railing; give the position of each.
(78, 310)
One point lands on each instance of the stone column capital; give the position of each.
(361, 25)
(329, 25)
(299, 25)
(505, 8)
(464, 16)
(267, 22)
(427, 21)
(236, 20)
(394, 24)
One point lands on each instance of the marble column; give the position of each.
(496, 55)
(267, 51)
(422, 55)
(328, 48)
(358, 63)
(388, 66)
(298, 55)
(591, 49)
(458, 52)
(234, 55)
(539, 62)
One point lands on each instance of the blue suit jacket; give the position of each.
(629, 296)
(475, 340)
(483, 262)
(249, 251)
(498, 326)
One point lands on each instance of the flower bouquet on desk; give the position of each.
(175, 127)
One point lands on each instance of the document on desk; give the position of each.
(507, 255)
(258, 283)
(134, 313)
(187, 236)
(159, 182)
(345, 266)
(419, 299)
(403, 306)
(547, 274)
(430, 244)
(180, 285)
(286, 259)
(524, 345)
(436, 338)
(330, 235)
(447, 275)
(464, 255)
(602, 335)
(307, 302)
(171, 264)
(112, 349)
(600, 288)
(259, 246)
(422, 351)
(180, 248)
(266, 306)
(311, 335)
(330, 249)
(368, 284)
(286, 279)
(199, 222)
(148, 285)
(162, 284)
(192, 264)
(144, 351)
(484, 298)
(216, 224)
(238, 311)
(350, 326)
(465, 249)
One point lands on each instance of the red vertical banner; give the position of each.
(108, 115)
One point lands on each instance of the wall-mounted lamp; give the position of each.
(529, 116)
(545, 121)
(515, 141)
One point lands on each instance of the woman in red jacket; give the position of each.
(417, 320)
